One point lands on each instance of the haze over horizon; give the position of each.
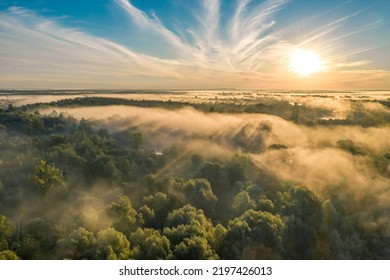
(117, 44)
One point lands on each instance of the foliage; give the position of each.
(47, 177)
(8, 255)
(112, 245)
(6, 230)
(149, 244)
(74, 190)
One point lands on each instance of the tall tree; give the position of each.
(47, 177)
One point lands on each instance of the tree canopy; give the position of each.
(73, 189)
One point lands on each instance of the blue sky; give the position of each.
(193, 44)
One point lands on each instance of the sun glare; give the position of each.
(305, 62)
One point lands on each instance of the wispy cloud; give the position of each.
(41, 49)
(154, 27)
(353, 64)
(245, 49)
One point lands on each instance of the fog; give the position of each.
(312, 157)
(328, 182)
(337, 102)
(188, 127)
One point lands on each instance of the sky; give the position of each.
(199, 44)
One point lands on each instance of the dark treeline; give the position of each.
(281, 108)
(298, 113)
(69, 190)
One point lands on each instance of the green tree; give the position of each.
(6, 231)
(254, 235)
(349, 146)
(187, 222)
(241, 203)
(136, 141)
(186, 215)
(102, 166)
(299, 239)
(306, 204)
(265, 204)
(26, 247)
(47, 176)
(148, 216)
(215, 173)
(149, 244)
(160, 204)
(124, 216)
(78, 245)
(194, 248)
(42, 235)
(112, 245)
(8, 255)
(198, 193)
(236, 239)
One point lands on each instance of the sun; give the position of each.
(306, 62)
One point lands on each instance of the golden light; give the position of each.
(305, 62)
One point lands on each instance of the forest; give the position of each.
(111, 178)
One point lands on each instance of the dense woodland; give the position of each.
(295, 112)
(70, 189)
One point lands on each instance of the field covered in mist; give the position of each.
(195, 175)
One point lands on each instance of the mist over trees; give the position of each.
(80, 189)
